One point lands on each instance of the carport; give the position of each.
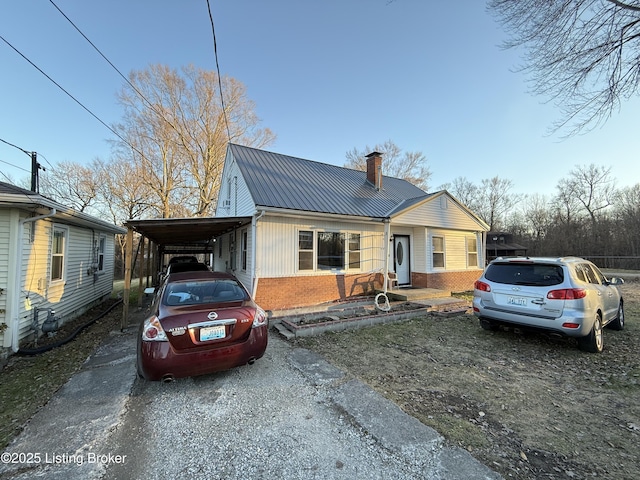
(160, 236)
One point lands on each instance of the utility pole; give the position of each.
(35, 166)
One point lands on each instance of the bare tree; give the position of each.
(581, 54)
(465, 191)
(495, 201)
(409, 166)
(70, 183)
(177, 131)
(591, 187)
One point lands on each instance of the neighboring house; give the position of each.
(501, 244)
(320, 232)
(51, 257)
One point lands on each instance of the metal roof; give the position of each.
(281, 181)
(185, 234)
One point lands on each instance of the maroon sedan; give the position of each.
(201, 322)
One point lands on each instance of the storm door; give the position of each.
(401, 259)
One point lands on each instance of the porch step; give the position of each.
(284, 331)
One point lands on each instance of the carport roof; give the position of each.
(185, 231)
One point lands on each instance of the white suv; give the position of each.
(568, 296)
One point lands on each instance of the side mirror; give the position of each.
(616, 281)
(149, 290)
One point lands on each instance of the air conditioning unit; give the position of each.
(226, 203)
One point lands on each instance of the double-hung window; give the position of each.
(472, 252)
(57, 253)
(328, 250)
(437, 251)
(243, 248)
(101, 248)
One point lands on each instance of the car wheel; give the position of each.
(618, 322)
(488, 325)
(593, 342)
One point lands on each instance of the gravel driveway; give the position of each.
(291, 415)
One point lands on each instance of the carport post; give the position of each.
(143, 271)
(128, 257)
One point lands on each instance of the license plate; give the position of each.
(522, 301)
(212, 333)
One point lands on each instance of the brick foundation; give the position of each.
(291, 292)
(454, 281)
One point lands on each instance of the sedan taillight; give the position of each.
(567, 294)
(483, 287)
(152, 331)
(260, 318)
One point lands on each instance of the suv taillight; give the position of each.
(483, 287)
(567, 294)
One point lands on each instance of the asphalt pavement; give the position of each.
(291, 415)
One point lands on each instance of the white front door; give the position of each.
(401, 259)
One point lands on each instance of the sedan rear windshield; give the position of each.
(199, 292)
(531, 274)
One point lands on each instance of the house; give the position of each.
(54, 262)
(501, 244)
(316, 232)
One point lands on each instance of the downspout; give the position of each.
(15, 327)
(254, 273)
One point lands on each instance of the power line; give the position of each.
(215, 52)
(60, 87)
(15, 166)
(70, 96)
(140, 94)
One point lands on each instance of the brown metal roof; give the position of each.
(185, 232)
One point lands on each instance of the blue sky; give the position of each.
(326, 76)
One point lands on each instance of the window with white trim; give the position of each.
(328, 250)
(354, 250)
(101, 248)
(243, 248)
(58, 247)
(472, 252)
(305, 250)
(437, 251)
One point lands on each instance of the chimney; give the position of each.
(374, 169)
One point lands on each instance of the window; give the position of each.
(354, 250)
(472, 252)
(328, 250)
(101, 249)
(57, 253)
(305, 250)
(243, 249)
(437, 244)
(232, 250)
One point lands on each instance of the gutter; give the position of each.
(15, 301)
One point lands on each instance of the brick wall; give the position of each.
(453, 281)
(290, 292)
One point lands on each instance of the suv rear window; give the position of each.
(531, 274)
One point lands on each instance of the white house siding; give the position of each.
(417, 246)
(277, 253)
(5, 234)
(440, 211)
(78, 291)
(234, 189)
(455, 252)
